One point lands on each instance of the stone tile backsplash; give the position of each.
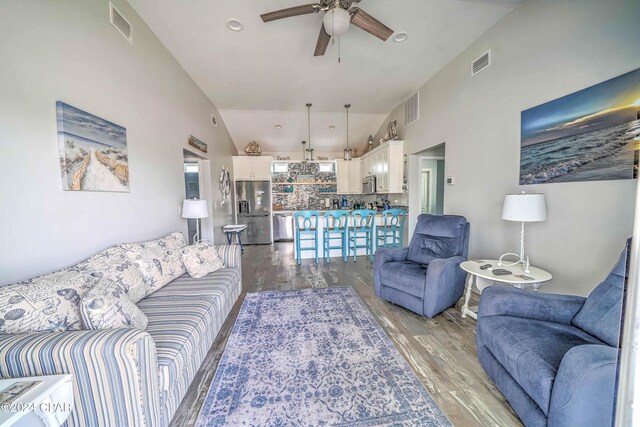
(311, 197)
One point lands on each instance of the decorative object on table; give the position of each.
(348, 153)
(93, 152)
(425, 278)
(224, 184)
(195, 209)
(585, 136)
(524, 207)
(370, 143)
(253, 149)
(350, 345)
(555, 358)
(195, 142)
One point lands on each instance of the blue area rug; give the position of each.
(314, 357)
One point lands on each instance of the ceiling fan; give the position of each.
(338, 15)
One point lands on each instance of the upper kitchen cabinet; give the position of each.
(386, 162)
(252, 168)
(348, 179)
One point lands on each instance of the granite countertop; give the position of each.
(285, 211)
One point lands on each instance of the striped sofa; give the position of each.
(131, 377)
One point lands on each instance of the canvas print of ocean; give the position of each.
(93, 151)
(589, 135)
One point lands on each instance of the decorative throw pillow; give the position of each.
(112, 264)
(158, 260)
(108, 306)
(201, 259)
(47, 303)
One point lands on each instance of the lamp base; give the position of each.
(524, 261)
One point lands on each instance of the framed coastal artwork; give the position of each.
(590, 135)
(93, 151)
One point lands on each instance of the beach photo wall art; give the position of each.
(93, 151)
(590, 135)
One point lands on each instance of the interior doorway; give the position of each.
(432, 185)
(192, 191)
(197, 184)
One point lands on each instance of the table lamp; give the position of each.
(195, 209)
(524, 208)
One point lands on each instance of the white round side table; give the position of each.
(484, 278)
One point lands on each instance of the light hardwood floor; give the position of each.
(441, 351)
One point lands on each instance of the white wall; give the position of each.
(67, 50)
(542, 50)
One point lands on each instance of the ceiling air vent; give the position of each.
(481, 63)
(120, 22)
(412, 109)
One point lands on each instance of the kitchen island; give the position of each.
(333, 253)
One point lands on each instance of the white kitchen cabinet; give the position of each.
(386, 162)
(348, 177)
(252, 168)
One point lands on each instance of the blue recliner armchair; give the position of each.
(554, 357)
(426, 277)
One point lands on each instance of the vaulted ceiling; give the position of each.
(264, 75)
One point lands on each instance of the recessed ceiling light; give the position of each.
(332, 127)
(235, 25)
(400, 37)
(278, 126)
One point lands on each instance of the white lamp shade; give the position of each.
(194, 209)
(524, 207)
(336, 22)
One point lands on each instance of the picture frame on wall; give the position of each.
(589, 135)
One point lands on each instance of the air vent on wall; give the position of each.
(481, 63)
(412, 109)
(120, 22)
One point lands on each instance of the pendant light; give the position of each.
(348, 153)
(304, 152)
(309, 150)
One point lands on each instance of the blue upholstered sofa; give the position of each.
(134, 377)
(555, 357)
(426, 277)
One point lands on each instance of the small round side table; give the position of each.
(485, 278)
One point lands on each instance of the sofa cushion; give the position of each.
(405, 276)
(184, 319)
(201, 259)
(108, 306)
(47, 303)
(601, 314)
(114, 265)
(159, 260)
(531, 350)
(438, 237)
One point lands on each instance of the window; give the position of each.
(281, 167)
(326, 167)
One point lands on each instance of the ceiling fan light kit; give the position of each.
(337, 19)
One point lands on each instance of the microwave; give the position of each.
(369, 185)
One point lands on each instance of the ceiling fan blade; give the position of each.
(289, 12)
(371, 25)
(323, 42)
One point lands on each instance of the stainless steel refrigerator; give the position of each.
(253, 202)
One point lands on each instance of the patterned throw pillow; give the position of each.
(108, 306)
(201, 259)
(47, 303)
(158, 260)
(112, 264)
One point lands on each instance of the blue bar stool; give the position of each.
(361, 227)
(391, 233)
(335, 228)
(306, 224)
